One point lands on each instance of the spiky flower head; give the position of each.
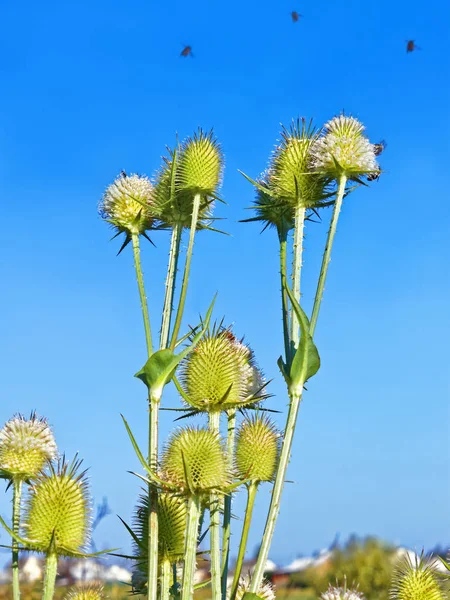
(25, 447)
(85, 592)
(257, 449)
(57, 515)
(341, 593)
(270, 210)
(344, 149)
(416, 580)
(194, 459)
(127, 204)
(200, 164)
(266, 589)
(221, 373)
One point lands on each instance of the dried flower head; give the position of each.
(85, 592)
(341, 593)
(195, 460)
(266, 589)
(416, 580)
(25, 447)
(128, 204)
(57, 515)
(344, 149)
(220, 373)
(257, 449)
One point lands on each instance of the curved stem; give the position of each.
(143, 297)
(17, 493)
(170, 284)
(297, 269)
(166, 573)
(274, 508)
(51, 567)
(214, 512)
(187, 268)
(282, 235)
(252, 489)
(327, 253)
(190, 548)
(226, 527)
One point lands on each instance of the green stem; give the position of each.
(226, 527)
(282, 235)
(252, 489)
(327, 253)
(214, 511)
(17, 493)
(187, 268)
(51, 567)
(297, 269)
(166, 573)
(143, 297)
(170, 284)
(274, 508)
(153, 528)
(190, 549)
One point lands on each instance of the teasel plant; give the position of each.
(309, 170)
(342, 593)
(181, 198)
(85, 592)
(26, 445)
(418, 579)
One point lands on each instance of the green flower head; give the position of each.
(257, 449)
(26, 445)
(85, 592)
(195, 460)
(220, 373)
(416, 579)
(200, 164)
(57, 515)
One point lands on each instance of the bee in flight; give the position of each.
(295, 16)
(187, 51)
(123, 174)
(379, 148)
(411, 46)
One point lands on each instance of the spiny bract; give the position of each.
(416, 580)
(25, 447)
(339, 593)
(127, 204)
(266, 589)
(257, 449)
(85, 592)
(344, 149)
(200, 164)
(220, 373)
(57, 512)
(194, 459)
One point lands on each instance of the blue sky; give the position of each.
(90, 88)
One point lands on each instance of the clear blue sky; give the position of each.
(90, 88)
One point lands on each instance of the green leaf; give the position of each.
(257, 185)
(306, 361)
(18, 539)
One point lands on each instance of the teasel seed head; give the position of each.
(127, 204)
(195, 460)
(344, 149)
(85, 592)
(341, 593)
(266, 589)
(257, 449)
(57, 512)
(221, 373)
(416, 580)
(200, 164)
(26, 445)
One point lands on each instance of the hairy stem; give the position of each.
(153, 529)
(187, 269)
(327, 253)
(252, 489)
(170, 284)
(190, 549)
(143, 297)
(282, 235)
(166, 573)
(226, 527)
(214, 511)
(51, 566)
(17, 494)
(274, 508)
(297, 269)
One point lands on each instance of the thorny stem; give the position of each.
(166, 572)
(214, 511)
(327, 253)
(252, 489)
(226, 527)
(187, 268)
(170, 284)
(51, 567)
(190, 549)
(17, 493)
(284, 298)
(297, 269)
(143, 297)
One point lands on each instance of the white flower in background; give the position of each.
(266, 589)
(339, 593)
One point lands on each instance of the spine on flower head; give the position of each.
(416, 579)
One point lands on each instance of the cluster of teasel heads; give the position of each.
(189, 485)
